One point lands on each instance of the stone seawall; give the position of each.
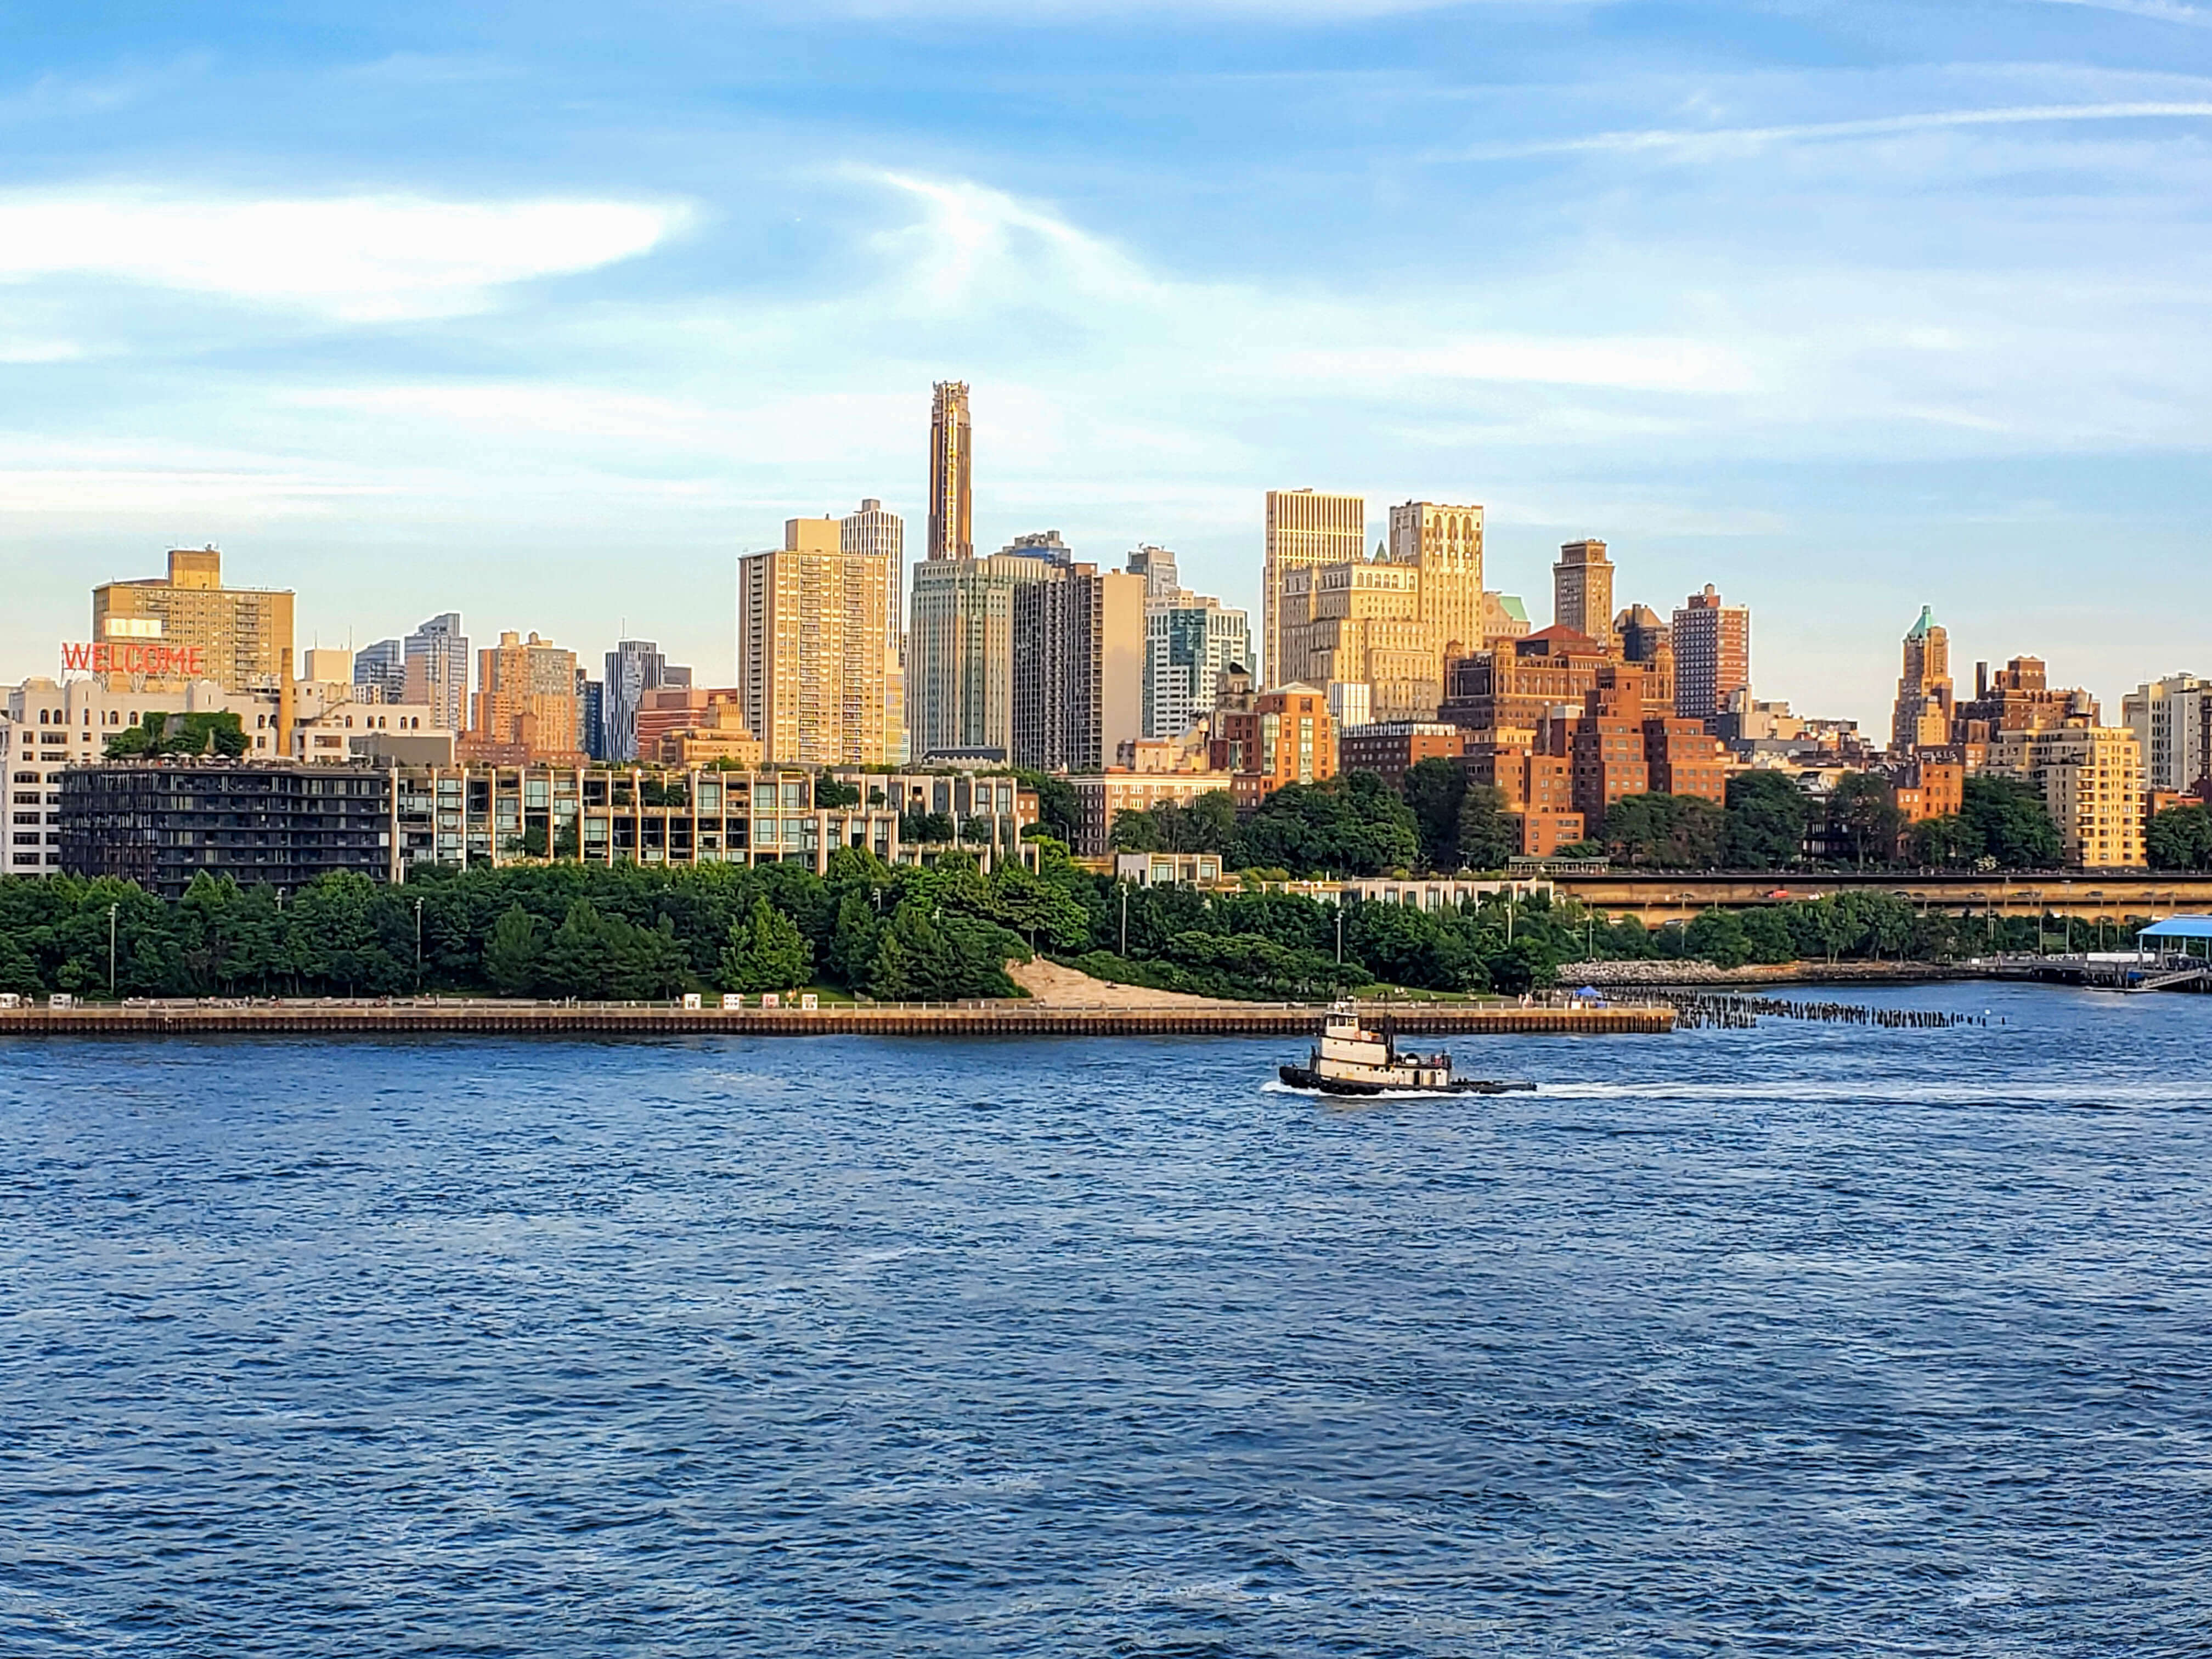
(1012, 1019)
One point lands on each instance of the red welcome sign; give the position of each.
(135, 657)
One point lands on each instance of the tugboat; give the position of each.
(1352, 1059)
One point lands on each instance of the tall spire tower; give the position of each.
(951, 463)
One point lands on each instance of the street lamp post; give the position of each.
(1125, 919)
(110, 950)
(418, 947)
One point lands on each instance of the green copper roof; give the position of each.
(1920, 629)
(1511, 605)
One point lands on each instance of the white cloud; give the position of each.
(1693, 143)
(357, 258)
(2164, 11)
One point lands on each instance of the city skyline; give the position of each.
(421, 317)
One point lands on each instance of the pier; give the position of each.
(456, 1018)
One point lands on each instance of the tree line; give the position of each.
(1438, 822)
(942, 933)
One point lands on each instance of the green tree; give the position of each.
(1485, 837)
(510, 955)
(925, 828)
(1719, 937)
(1863, 819)
(832, 795)
(593, 954)
(765, 952)
(331, 939)
(1950, 842)
(1767, 817)
(19, 969)
(1434, 789)
(1670, 832)
(1403, 945)
(1352, 826)
(915, 961)
(1059, 809)
(852, 951)
(2014, 824)
(161, 734)
(1526, 964)
(1768, 934)
(2179, 838)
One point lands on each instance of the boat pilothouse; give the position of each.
(1355, 1058)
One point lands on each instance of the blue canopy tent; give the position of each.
(2185, 936)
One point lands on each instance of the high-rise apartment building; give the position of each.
(634, 668)
(1304, 528)
(1188, 643)
(243, 635)
(379, 673)
(1712, 654)
(1922, 717)
(437, 657)
(960, 657)
(1582, 591)
(2171, 719)
(2092, 782)
(591, 715)
(1078, 663)
(525, 707)
(1445, 545)
(813, 664)
(952, 470)
(875, 531)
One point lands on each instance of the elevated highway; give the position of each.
(1658, 896)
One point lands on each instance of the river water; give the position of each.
(1809, 1340)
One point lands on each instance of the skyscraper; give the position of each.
(634, 668)
(951, 483)
(1712, 655)
(1445, 545)
(379, 673)
(960, 653)
(812, 658)
(437, 669)
(1304, 528)
(591, 715)
(1078, 667)
(872, 531)
(1582, 591)
(1922, 718)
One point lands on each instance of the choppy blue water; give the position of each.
(1803, 1340)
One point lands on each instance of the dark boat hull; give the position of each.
(1301, 1076)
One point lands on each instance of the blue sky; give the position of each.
(544, 313)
